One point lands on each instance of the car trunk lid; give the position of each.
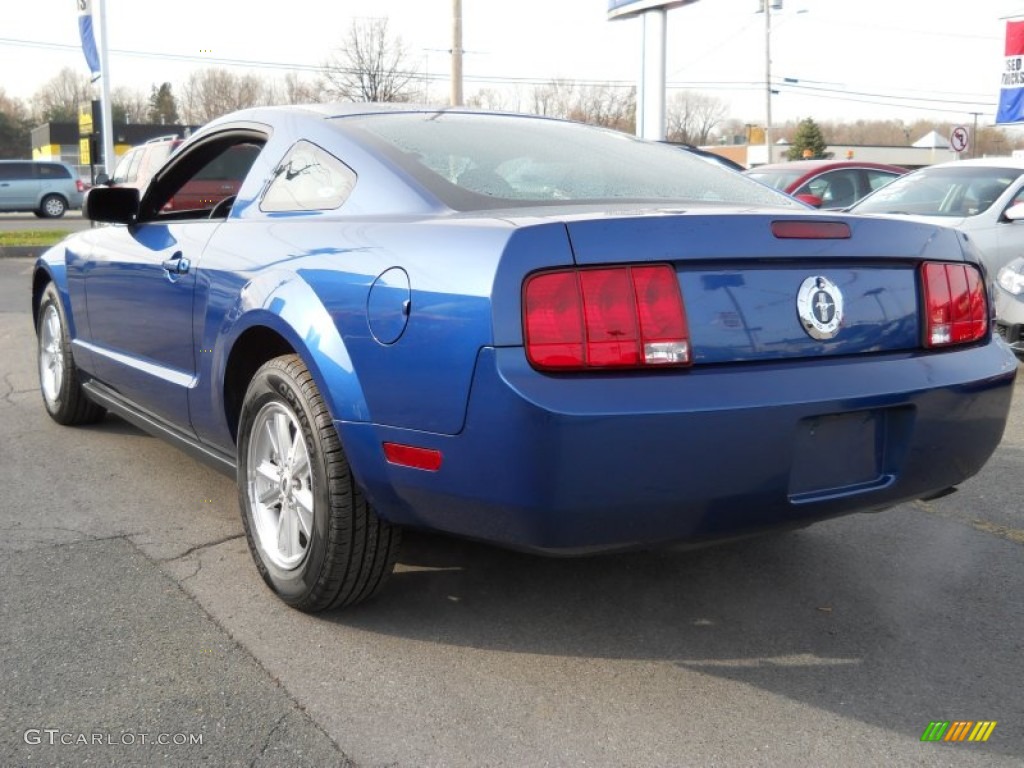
(760, 287)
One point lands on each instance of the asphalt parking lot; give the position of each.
(130, 607)
(71, 221)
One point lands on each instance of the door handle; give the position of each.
(177, 264)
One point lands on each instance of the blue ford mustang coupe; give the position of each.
(530, 332)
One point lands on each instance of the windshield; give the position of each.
(472, 161)
(942, 191)
(777, 179)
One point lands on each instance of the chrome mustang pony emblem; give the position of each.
(819, 302)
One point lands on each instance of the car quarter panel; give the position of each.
(316, 281)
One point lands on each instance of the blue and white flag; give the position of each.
(92, 58)
(1011, 96)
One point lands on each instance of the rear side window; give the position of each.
(124, 169)
(15, 171)
(308, 179)
(52, 171)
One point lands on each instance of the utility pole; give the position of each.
(456, 53)
(974, 135)
(768, 76)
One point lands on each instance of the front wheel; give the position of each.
(59, 381)
(315, 539)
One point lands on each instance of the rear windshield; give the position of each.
(472, 161)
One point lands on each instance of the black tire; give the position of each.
(63, 396)
(349, 552)
(53, 207)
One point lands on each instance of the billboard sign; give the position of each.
(1011, 95)
(624, 9)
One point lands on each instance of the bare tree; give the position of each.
(492, 99)
(611, 107)
(58, 98)
(129, 105)
(370, 66)
(691, 116)
(210, 93)
(555, 99)
(605, 105)
(295, 90)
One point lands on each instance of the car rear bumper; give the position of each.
(576, 463)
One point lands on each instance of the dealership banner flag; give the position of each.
(1011, 97)
(92, 58)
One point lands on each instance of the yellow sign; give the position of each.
(84, 155)
(84, 119)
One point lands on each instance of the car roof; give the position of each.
(807, 166)
(983, 162)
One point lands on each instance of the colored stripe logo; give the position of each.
(959, 730)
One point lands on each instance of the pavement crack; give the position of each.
(199, 547)
(10, 389)
(267, 740)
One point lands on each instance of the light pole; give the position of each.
(456, 94)
(766, 8)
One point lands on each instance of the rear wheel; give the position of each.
(53, 207)
(315, 539)
(59, 382)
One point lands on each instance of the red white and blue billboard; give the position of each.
(1011, 97)
(621, 9)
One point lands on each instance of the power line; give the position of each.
(798, 87)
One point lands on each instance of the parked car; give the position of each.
(545, 335)
(711, 157)
(138, 165)
(46, 188)
(219, 179)
(830, 184)
(983, 198)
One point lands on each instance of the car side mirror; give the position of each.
(116, 205)
(812, 200)
(1014, 213)
(102, 179)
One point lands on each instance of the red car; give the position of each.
(826, 183)
(219, 179)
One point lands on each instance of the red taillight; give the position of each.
(608, 317)
(956, 309)
(413, 456)
(79, 185)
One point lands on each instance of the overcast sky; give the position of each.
(871, 59)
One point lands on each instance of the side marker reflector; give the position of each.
(411, 456)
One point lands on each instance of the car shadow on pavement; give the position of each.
(894, 619)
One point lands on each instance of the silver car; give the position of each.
(45, 188)
(984, 198)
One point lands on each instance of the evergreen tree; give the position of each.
(808, 137)
(163, 107)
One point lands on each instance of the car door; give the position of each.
(19, 188)
(140, 282)
(1008, 241)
